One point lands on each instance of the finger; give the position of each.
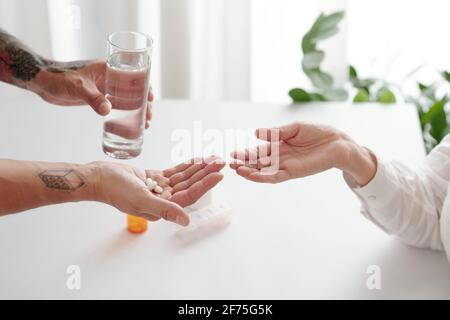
(151, 217)
(148, 115)
(180, 167)
(186, 174)
(123, 84)
(93, 97)
(262, 150)
(189, 172)
(256, 175)
(150, 95)
(260, 177)
(236, 163)
(246, 171)
(157, 177)
(260, 163)
(194, 192)
(199, 175)
(279, 133)
(167, 210)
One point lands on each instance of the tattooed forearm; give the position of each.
(31, 184)
(63, 179)
(59, 67)
(19, 64)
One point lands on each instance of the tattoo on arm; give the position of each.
(19, 64)
(68, 180)
(60, 67)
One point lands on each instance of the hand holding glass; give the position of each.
(126, 86)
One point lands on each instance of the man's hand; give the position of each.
(305, 149)
(77, 83)
(62, 83)
(124, 187)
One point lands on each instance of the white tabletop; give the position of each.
(300, 239)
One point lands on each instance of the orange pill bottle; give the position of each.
(136, 224)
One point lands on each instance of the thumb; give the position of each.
(165, 209)
(278, 133)
(93, 97)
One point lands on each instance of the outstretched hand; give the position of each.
(124, 187)
(304, 149)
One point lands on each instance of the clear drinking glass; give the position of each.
(126, 87)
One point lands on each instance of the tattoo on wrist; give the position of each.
(19, 64)
(63, 179)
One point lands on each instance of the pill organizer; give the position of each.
(205, 222)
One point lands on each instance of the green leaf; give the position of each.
(384, 95)
(312, 60)
(320, 79)
(325, 26)
(445, 132)
(428, 91)
(352, 73)
(446, 75)
(300, 95)
(332, 20)
(359, 83)
(336, 95)
(317, 97)
(422, 87)
(323, 34)
(437, 118)
(362, 96)
(307, 45)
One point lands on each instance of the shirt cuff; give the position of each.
(379, 192)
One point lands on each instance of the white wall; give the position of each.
(27, 20)
(390, 38)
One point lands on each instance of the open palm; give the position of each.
(124, 187)
(303, 149)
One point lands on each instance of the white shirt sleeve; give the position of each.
(408, 203)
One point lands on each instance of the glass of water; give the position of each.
(126, 88)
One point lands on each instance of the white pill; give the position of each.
(158, 189)
(151, 184)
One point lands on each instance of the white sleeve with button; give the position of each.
(408, 203)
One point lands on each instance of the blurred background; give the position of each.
(241, 49)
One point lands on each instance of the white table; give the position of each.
(300, 239)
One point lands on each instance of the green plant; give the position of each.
(367, 90)
(323, 28)
(431, 106)
(431, 109)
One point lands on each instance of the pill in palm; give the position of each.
(151, 184)
(158, 189)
